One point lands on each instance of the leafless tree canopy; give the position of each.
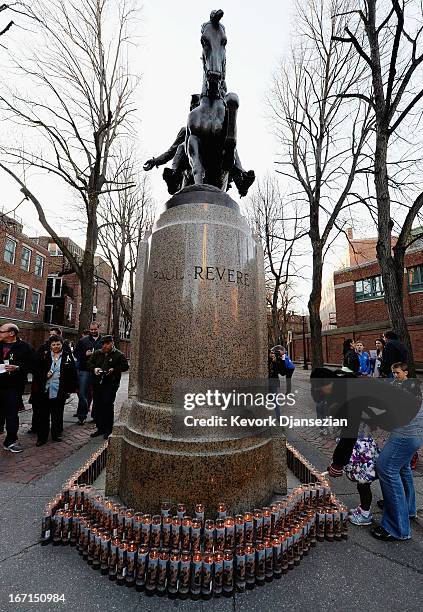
(78, 106)
(5, 28)
(323, 130)
(279, 225)
(387, 38)
(125, 217)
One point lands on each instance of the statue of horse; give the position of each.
(211, 128)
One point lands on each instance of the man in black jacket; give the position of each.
(83, 351)
(16, 360)
(394, 351)
(107, 366)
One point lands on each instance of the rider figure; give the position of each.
(177, 176)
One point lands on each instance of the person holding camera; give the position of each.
(107, 365)
(280, 364)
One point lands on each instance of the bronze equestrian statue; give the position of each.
(205, 152)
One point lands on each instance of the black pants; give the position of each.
(103, 406)
(365, 493)
(10, 402)
(288, 375)
(50, 409)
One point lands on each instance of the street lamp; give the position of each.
(305, 366)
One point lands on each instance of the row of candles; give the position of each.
(194, 556)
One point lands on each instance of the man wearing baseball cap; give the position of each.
(107, 365)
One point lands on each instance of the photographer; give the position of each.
(107, 365)
(280, 364)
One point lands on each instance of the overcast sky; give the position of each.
(258, 35)
(168, 60)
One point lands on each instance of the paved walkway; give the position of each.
(360, 574)
(36, 462)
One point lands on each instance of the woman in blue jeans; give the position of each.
(396, 480)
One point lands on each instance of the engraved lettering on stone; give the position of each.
(209, 273)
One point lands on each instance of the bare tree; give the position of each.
(287, 299)
(388, 39)
(124, 219)
(6, 28)
(277, 223)
(322, 135)
(84, 88)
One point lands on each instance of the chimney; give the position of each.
(350, 233)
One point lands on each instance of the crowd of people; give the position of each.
(92, 369)
(399, 410)
(379, 361)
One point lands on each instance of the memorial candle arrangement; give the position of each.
(197, 556)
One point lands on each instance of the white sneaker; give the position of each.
(355, 510)
(15, 447)
(360, 519)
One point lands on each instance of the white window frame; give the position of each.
(7, 282)
(26, 248)
(25, 296)
(8, 238)
(54, 278)
(42, 258)
(34, 292)
(57, 252)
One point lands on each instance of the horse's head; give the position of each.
(213, 41)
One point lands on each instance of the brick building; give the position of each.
(361, 310)
(23, 279)
(63, 294)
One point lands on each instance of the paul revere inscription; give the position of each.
(205, 273)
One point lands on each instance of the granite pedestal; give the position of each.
(200, 313)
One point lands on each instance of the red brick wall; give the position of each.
(350, 313)
(18, 276)
(71, 290)
(332, 341)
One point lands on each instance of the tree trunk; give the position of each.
(391, 268)
(87, 289)
(314, 308)
(87, 268)
(116, 317)
(275, 322)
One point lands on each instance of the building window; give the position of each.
(35, 302)
(48, 313)
(5, 289)
(39, 265)
(20, 298)
(369, 289)
(10, 250)
(54, 286)
(54, 250)
(415, 279)
(26, 258)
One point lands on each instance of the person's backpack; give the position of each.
(361, 467)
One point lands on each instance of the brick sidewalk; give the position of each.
(36, 462)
